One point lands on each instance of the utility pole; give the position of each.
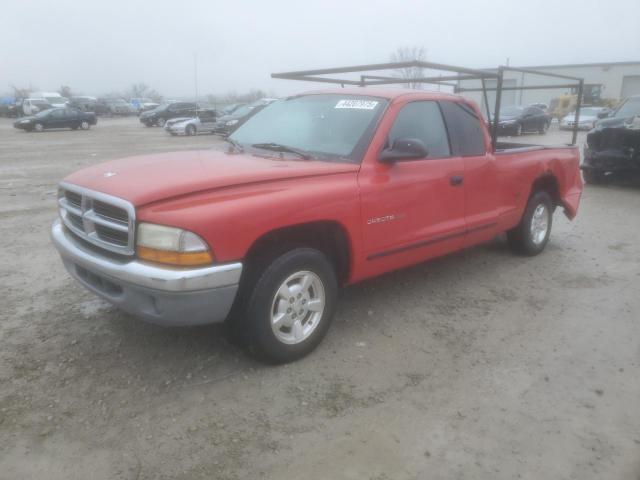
(195, 77)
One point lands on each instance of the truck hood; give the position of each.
(149, 178)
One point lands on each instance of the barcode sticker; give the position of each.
(357, 104)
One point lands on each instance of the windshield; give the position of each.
(630, 108)
(324, 125)
(55, 99)
(44, 113)
(511, 111)
(588, 112)
(242, 111)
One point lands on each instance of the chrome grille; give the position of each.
(103, 220)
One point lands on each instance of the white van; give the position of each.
(53, 98)
(31, 106)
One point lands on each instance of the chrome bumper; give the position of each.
(159, 295)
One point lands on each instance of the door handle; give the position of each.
(456, 180)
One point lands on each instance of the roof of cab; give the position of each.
(388, 93)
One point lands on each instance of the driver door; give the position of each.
(413, 209)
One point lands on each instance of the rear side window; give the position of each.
(422, 120)
(465, 129)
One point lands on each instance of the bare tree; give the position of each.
(409, 54)
(65, 91)
(142, 90)
(22, 92)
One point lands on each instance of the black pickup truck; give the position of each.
(57, 118)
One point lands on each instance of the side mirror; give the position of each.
(404, 149)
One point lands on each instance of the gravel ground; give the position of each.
(480, 365)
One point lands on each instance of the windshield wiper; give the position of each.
(235, 144)
(277, 147)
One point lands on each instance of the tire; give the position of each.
(593, 178)
(518, 130)
(283, 292)
(38, 127)
(75, 127)
(161, 121)
(543, 128)
(190, 130)
(85, 125)
(532, 233)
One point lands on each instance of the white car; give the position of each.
(587, 120)
(53, 98)
(203, 123)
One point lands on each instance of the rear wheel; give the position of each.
(290, 306)
(85, 125)
(518, 130)
(190, 130)
(532, 233)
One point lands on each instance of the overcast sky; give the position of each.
(101, 46)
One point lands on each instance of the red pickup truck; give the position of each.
(316, 191)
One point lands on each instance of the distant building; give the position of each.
(614, 80)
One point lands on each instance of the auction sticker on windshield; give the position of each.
(359, 104)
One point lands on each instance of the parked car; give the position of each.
(84, 104)
(158, 116)
(8, 107)
(143, 104)
(588, 118)
(227, 124)
(229, 109)
(613, 146)
(518, 120)
(316, 191)
(542, 106)
(57, 118)
(113, 106)
(202, 123)
(31, 106)
(52, 98)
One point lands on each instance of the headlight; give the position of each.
(171, 246)
(231, 122)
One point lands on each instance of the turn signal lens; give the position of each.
(171, 246)
(180, 259)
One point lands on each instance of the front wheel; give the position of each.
(160, 122)
(38, 127)
(532, 233)
(85, 125)
(190, 130)
(291, 306)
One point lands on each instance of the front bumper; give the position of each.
(614, 161)
(163, 296)
(175, 130)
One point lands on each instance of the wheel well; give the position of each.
(547, 183)
(326, 236)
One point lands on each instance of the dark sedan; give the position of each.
(228, 124)
(518, 120)
(57, 118)
(158, 116)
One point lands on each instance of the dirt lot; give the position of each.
(480, 365)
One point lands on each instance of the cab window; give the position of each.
(422, 120)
